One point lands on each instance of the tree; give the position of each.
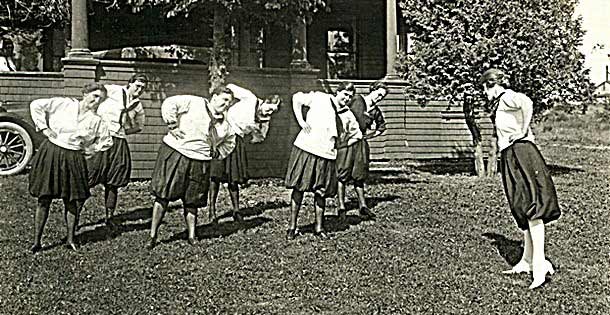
(534, 41)
(33, 14)
(23, 21)
(283, 12)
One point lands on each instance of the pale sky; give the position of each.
(596, 21)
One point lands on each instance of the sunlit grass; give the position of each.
(437, 247)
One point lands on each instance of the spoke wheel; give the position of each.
(16, 148)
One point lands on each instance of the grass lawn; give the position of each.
(438, 246)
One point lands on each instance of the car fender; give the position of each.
(37, 137)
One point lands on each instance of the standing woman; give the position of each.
(526, 178)
(250, 116)
(198, 133)
(353, 160)
(124, 114)
(311, 167)
(59, 169)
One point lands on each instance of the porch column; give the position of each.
(391, 45)
(299, 45)
(80, 31)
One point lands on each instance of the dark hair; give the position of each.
(222, 89)
(377, 85)
(94, 86)
(138, 77)
(346, 86)
(274, 98)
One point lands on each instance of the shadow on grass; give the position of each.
(332, 223)
(390, 177)
(371, 202)
(258, 209)
(101, 232)
(558, 170)
(136, 214)
(448, 167)
(510, 250)
(209, 231)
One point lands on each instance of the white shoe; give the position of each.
(521, 267)
(540, 274)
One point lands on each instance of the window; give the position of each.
(340, 54)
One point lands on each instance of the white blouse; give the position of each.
(190, 114)
(509, 118)
(320, 140)
(85, 131)
(242, 115)
(110, 109)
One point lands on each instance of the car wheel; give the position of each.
(16, 148)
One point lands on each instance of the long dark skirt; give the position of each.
(111, 167)
(353, 162)
(309, 172)
(178, 177)
(528, 184)
(58, 173)
(234, 168)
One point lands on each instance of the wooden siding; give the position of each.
(18, 89)
(433, 131)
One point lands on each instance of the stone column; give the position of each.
(80, 31)
(299, 45)
(391, 45)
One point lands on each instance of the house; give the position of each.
(602, 90)
(359, 40)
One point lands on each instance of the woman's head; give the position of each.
(344, 92)
(493, 81)
(222, 97)
(270, 105)
(377, 91)
(93, 94)
(137, 84)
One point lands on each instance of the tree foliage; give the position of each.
(534, 41)
(33, 14)
(275, 11)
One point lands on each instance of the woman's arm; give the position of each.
(527, 109)
(299, 100)
(38, 110)
(379, 121)
(102, 139)
(524, 104)
(244, 95)
(171, 108)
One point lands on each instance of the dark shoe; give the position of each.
(367, 214)
(110, 223)
(291, 234)
(71, 246)
(238, 217)
(192, 241)
(152, 242)
(342, 214)
(35, 248)
(321, 235)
